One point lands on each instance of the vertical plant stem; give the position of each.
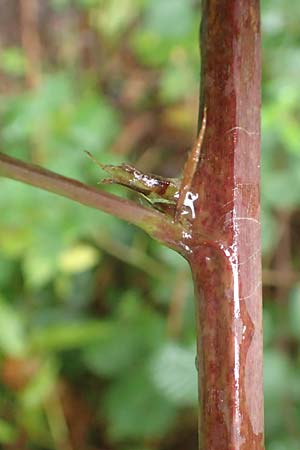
(227, 266)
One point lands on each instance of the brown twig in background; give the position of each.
(31, 40)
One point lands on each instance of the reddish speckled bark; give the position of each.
(226, 266)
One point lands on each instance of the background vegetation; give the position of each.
(96, 320)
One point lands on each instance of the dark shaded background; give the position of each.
(96, 320)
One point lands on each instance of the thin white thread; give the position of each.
(249, 258)
(252, 293)
(250, 133)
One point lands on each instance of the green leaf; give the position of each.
(39, 107)
(60, 4)
(176, 77)
(38, 268)
(78, 258)
(136, 410)
(277, 378)
(12, 61)
(284, 444)
(170, 18)
(294, 312)
(269, 231)
(68, 336)
(136, 333)
(8, 433)
(94, 123)
(111, 19)
(171, 258)
(40, 386)
(268, 327)
(173, 372)
(279, 193)
(276, 372)
(114, 355)
(12, 333)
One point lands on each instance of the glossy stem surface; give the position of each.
(227, 266)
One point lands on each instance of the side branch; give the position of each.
(153, 222)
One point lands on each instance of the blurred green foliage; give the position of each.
(97, 321)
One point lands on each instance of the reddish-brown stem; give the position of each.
(222, 241)
(227, 266)
(154, 223)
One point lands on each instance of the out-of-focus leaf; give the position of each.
(31, 417)
(78, 258)
(176, 78)
(136, 333)
(294, 312)
(279, 193)
(272, 20)
(12, 332)
(135, 409)
(291, 134)
(60, 4)
(284, 444)
(8, 433)
(12, 61)
(14, 240)
(174, 374)
(68, 336)
(151, 48)
(171, 258)
(110, 18)
(41, 386)
(268, 327)
(38, 268)
(6, 271)
(269, 231)
(32, 112)
(276, 391)
(115, 355)
(93, 124)
(169, 18)
(276, 372)
(88, 3)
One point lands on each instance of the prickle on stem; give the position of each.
(190, 169)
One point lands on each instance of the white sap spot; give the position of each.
(186, 235)
(244, 331)
(250, 133)
(189, 200)
(186, 238)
